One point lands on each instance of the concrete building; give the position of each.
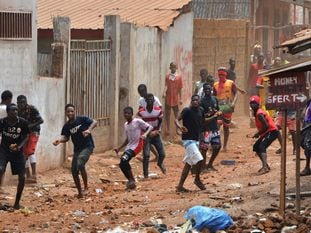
(18, 73)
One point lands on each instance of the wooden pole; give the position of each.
(283, 164)
(298, 162)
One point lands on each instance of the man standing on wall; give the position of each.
(172, 94)
(34, 119)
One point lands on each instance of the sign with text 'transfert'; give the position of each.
(287, 91)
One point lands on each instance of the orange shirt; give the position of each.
(174, 86)
(270, 121)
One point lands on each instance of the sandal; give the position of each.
(305, 172)
(199, 184)
(182, 190)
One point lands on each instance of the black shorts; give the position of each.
(17, 161)
(262, 144)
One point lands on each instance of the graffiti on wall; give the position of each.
(183, 59)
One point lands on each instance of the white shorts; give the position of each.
(193, 154)
(31, 159)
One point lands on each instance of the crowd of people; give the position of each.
(211, 107)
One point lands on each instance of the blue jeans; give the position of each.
(157, 142)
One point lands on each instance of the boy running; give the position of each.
(133, 128)
(152, 115)
(192, 118)
(78, 128)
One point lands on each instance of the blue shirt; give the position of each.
(74, 130)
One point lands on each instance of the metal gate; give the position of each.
(89, 78)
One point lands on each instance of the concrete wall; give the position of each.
(153, 50)
(18, 68)
(146, 53)
(177, 46)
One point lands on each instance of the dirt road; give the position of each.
(238, 189)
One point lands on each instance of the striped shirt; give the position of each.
(153, 117)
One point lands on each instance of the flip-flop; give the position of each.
(305, 172)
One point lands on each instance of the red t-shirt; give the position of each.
(259, 124)
(253, 73)
(174, 85)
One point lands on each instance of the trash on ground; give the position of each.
(208, 218)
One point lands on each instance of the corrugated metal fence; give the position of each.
(221, 9)
(89, 78)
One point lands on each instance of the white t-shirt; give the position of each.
(133, 131)
(3, 112)
(142, 102)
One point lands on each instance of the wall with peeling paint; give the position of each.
(18, 73)
(177, 47)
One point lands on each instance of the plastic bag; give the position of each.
(209, 218)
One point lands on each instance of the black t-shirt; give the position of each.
(74, 130)
(192, 120)
(13, 134)
(231, 75)
(32, 115)
(210, 107)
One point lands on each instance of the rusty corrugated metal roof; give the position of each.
(89, 14)
(298, 37)
(300, 42)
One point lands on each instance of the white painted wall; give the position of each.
(153, 52)
(18, 73)
(177, 46)
(147, 68)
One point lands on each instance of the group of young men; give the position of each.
(20, 129)
(211, 106)
(199, 128)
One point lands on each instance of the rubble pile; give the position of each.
(273, 223)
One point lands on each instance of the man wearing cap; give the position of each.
(225, 91)
(267, 132)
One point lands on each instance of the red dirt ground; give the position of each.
(52, 207)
